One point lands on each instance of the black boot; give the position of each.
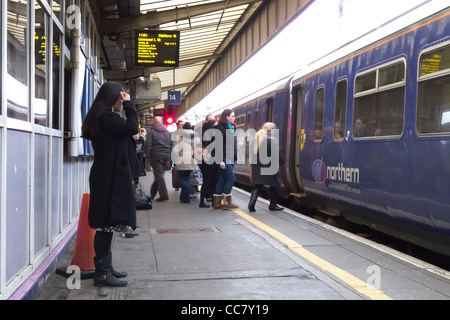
(202, 203)
(273, 199)
(253, 198)
(117, 274)
(103, 273)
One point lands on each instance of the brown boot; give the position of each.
(217, 201)
(228, 204)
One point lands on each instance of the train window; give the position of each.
(240, 121)
(433, 101)
(340, 110)
(391, 75)
(256, 127)
(16, 84)
(380, 110)
(269, 110)
(366, 82)
(435, 61)
(318, 113)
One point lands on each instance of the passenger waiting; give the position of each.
(184, 142)
(360, 127)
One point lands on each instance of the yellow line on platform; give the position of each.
(343, 275)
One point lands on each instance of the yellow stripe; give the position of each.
(343, 275)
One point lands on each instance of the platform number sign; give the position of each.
(174, 97)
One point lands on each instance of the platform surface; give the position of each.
(182, 252)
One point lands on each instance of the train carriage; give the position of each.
(270, 104)
(389, 165)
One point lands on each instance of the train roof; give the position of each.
(279, 84)
(415, 14)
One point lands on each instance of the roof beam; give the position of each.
(151, 19)
(117, 75)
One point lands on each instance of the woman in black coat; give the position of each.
(266, 162)
(112, 199)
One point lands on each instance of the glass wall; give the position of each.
(40, 188)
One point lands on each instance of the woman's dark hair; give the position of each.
(226, 113)
(187, 126)
(104, 101)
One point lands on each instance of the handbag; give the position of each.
(196, 177)
(168, 165)
(143, 201)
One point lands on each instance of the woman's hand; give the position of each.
(222, 165)
(124, 96)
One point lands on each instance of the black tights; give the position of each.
(102, 243)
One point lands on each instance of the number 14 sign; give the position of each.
(174, 97)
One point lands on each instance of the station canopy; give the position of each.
(205, 26)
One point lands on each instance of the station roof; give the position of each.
(206, 27)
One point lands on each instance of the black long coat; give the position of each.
(112, 198)
(258, 162)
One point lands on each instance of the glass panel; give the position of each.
(56, 187)
(435, 61)
(74, 187)
(41, 50)
(56, 72)
(16, 84)
(379, 114)
(40, 193)
(318, 113)
(365, 82)
(433, 106)
(56, 6)
(392, 74)
(340, 110)
(17, 203)
(65, 194)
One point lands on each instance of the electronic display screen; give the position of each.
(157, 48)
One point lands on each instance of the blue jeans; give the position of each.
(225, 179)
(186, 188)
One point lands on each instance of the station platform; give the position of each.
(182, 252)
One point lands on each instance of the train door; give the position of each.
(297, 103)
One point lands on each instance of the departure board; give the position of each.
(157, 48)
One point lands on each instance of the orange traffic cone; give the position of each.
(84, 253)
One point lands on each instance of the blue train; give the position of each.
(365, 132)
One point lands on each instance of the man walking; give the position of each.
(157, 149)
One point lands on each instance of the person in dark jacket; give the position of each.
(157, 148)
(226, 177)
(112, 200)
(140, 157)
(209, 170)
(266, 160)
